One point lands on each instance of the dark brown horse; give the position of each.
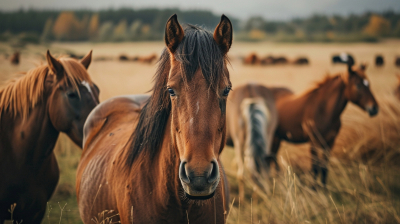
(251, 121)
(34, 109)
(315, 115)
(15, 58)
(154, 165)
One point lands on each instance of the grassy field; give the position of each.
(364, 179)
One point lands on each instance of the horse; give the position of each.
(301, 61)
(397, 89)
(252, 119)
(15, 58)
(379, 60)
(343, 58)
(251, 59)
(314, 116)
(147, 59)
(34, 109)
(397, 61)
(159, 162)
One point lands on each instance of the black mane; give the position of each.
(197, 50)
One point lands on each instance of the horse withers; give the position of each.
(34, 109)
(314, 116)
(252, 119)
(159, 163)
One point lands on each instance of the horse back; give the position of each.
(235, 112)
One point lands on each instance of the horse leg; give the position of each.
(314, 162)
(275, 147)
(240, 171)
(324, 167)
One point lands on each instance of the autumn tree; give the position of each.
(377, 26)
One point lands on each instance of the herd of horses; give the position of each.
(254, 59)
(156, 158)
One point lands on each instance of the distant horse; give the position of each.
(343, 58)
(153, 163)
(280, 60)
(397, 61)
(251, 59)
(251, 121)
(379, 60)
(270, 60)
(15, 58)
(34, 109)
(301, 61)
(123, 57)
(148, 59)
(315, 115)
(397, 90)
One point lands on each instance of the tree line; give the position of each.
(148, 24)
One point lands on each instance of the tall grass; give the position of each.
(363, 181)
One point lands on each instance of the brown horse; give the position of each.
(147, 59)
(315, 115)
(252, 119)
(251, 59)
(15, 58)
(34, 109)
(154, 165)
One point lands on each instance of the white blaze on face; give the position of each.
(86, 84)
(365, 82)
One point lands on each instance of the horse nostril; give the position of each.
(373, 110)
(182, 173)
(214, 172)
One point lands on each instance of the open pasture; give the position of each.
(364, 179)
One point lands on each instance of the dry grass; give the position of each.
(364, 178)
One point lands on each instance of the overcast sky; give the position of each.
(270, 9)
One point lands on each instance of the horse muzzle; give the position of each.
(199, 187)
(372, 110)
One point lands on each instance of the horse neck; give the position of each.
(30, 140)
(331, 99)
(167, 167)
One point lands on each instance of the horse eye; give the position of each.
(226, 91)
(171, 92)
(72, 95)
(359, 85)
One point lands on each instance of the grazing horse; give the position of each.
(315, 115)
(251, 122)
(379, 60)
(154, 163)
(251, 59)
(397, 61)
(15, 58)
(34, 109)
(301, 61)
(344, 58)
(148, 59)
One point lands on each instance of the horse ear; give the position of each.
(85, 61)
(173, 33)
(223, 34)
(54, 65)
(363, 66)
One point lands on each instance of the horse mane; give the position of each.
(198, 50)
(325, 81)
(19, 95)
